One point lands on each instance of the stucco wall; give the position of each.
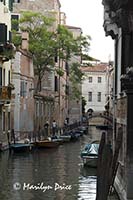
(94, 87)
(5, 17)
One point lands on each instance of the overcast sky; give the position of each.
(88, 14)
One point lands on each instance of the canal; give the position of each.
(47, 174)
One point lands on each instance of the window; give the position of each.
(11, 4)
(56, 84)
(23, 89)
(9, 76)
(99, 96)
(37, 108)
(67, 89)
(90, 96)
(67, 68)
(3, 33)
(0, 80)
(0, 76)
(99, 79)
(15, 26)
(4, 76)
(4, 121)
(8, 120)
(41, 109)
(56, 56)
(16, 1)
(90, 79)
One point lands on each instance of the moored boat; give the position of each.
(46, 144)
(65, 138)
(89, 154)
(20, 147)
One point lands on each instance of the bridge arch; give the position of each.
(108, 118)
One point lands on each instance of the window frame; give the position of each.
(99, 97)
(99, 79)
(90, 96)
(90, 79)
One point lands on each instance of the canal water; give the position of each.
(47, 174)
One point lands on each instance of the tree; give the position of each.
(46, 43)
(76, 76)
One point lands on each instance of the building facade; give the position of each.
(94, 87)
(23, 98)
(47, 100)
(118, 24)
(74, 104)
(52, 102)
(6, 53)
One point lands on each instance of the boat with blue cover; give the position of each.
(89, 154)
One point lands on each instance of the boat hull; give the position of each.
(89, 154)
(20, 147)
(90, 161)
(65, 138)
(47, 144)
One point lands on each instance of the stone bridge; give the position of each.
(109, 118)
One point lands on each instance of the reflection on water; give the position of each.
(87, 184)
(62, 167)
(95, 134)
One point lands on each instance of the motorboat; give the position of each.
(89, 154)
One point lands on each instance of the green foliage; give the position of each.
(7, 51)
(88, 58)
(83, 43)
(67, 44)
(76, 76)
(46, 42)
(42, 42)
(59, 71)
(16, 39)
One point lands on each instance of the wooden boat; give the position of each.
(65, 138)
(20, 147)
(89, 154)
(59, 140)
(46, 144)
(56, 139)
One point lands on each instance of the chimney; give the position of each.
(25, 41)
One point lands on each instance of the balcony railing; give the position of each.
(5, 93)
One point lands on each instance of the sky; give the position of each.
(88, 15)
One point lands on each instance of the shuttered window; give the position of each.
(3, 33)
(11, 5)
(0, 76)
(56, 84)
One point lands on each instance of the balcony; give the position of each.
(5, 93)
(7, 52)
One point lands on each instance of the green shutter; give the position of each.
(11, 5)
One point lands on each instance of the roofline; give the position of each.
(73, 27)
